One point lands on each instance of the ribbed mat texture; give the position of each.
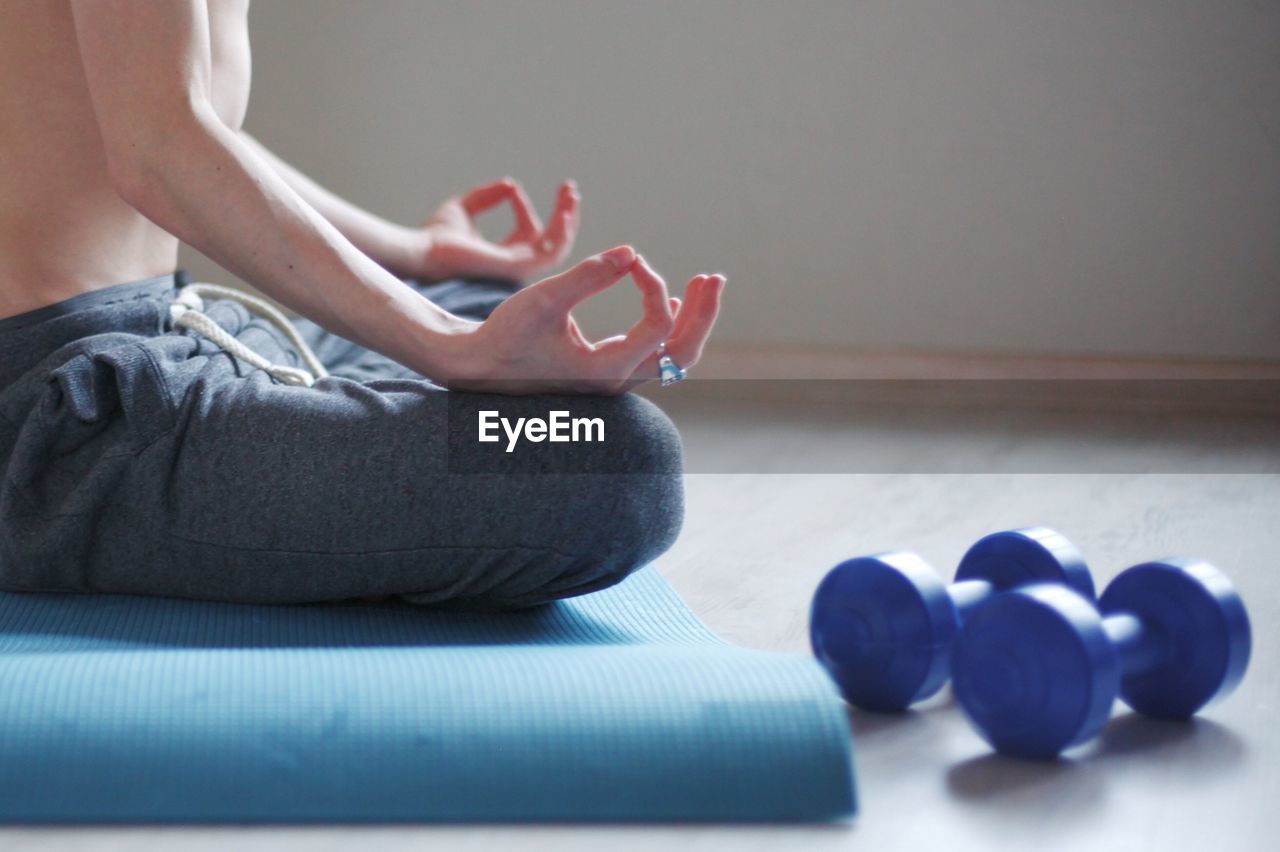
(615, 706)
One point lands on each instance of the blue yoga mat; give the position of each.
(618, 706)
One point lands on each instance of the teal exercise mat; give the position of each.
(615, 706)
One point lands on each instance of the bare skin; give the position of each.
(120, 132)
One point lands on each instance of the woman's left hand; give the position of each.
(453, 246)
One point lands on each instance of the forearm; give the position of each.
(398, 248)
(205, 184)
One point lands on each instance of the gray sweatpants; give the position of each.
(135, 459)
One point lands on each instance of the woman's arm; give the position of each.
(148, 70)
(449, 244)
(400, 249)
(170, 156)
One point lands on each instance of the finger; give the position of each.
(697, 319)
(576, 333)
(620, 356)
(487, 196)
(696, 283)
(674, 303)
(562, 231)
(701, 310)
(528, 225)
(593, 275)
(657, 302)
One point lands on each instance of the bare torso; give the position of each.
(63, 228)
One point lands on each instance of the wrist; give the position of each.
(445, 347)
(407, 253)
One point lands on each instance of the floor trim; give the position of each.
(758, 361)
(845, 378)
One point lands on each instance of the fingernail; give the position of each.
(621, 257)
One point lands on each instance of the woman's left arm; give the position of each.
(449, 244)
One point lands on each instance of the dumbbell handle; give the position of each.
(1138, 648)
(967, 594)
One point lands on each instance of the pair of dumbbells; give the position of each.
(1036, 662)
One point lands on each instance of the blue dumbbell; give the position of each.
(1037, 669)
(883, 625)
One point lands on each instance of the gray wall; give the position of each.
(1089, 176)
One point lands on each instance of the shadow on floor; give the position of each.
(1189, 748)
(866, 723)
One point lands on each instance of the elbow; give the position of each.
(145, 156)
(131, 176)
(139, 167)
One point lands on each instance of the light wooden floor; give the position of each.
(759, 538)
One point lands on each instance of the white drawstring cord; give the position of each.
(187, 311)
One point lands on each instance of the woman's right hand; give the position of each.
(531, 343)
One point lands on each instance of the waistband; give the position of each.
(158, 287)
(136, 308)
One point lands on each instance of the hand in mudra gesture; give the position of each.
(453, 247)
(531, 343)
